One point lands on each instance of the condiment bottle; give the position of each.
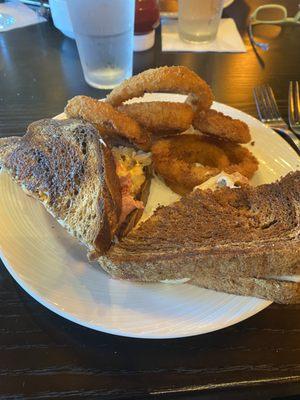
(146, 20)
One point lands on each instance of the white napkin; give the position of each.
(228, 39)
(22, 14)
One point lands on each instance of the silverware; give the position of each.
(269, 114)
(294, 107)
(42, 8)
(38, 3)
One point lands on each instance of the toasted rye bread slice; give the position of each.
(7, 145)
(65, 166)
(285, 292)
(246, 232)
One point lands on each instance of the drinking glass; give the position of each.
(6, 20)
(198, 20)
(103, 31)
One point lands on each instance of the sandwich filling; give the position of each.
(130, 168)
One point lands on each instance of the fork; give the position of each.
(269, 114)
(294, 107)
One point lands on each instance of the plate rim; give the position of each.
(117, 332)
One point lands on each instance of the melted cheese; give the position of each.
(130, 164)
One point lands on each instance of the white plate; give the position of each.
(174, 15)
(52, 267)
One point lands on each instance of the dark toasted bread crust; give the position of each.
(112, 196)
(7, 145)
(271, 289)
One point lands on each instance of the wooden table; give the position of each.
(43, 356)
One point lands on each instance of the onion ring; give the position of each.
(109, 122)
(241, 160)
(160, 117)
(176, 160)
(217, 124)
(186, 161)
(176, 79)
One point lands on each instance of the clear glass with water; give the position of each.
(198, 20)
(6, 20)
(104, 35)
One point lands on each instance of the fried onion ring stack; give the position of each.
(190, 142)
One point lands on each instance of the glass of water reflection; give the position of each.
(198, 20)
(6, 20)
(104, 35)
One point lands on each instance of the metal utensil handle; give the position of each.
(291, 138)
(38, 3)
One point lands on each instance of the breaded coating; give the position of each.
(176, 79)
(108, 120)
(186, 161)
(241, 160)
(215, 123)
(160, 116)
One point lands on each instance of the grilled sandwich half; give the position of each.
(242, 240)
(70, 169)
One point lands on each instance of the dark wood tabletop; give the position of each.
(43, 356)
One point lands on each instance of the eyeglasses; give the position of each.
(270, 14)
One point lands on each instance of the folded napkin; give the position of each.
(228, 39)
(22, 15)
